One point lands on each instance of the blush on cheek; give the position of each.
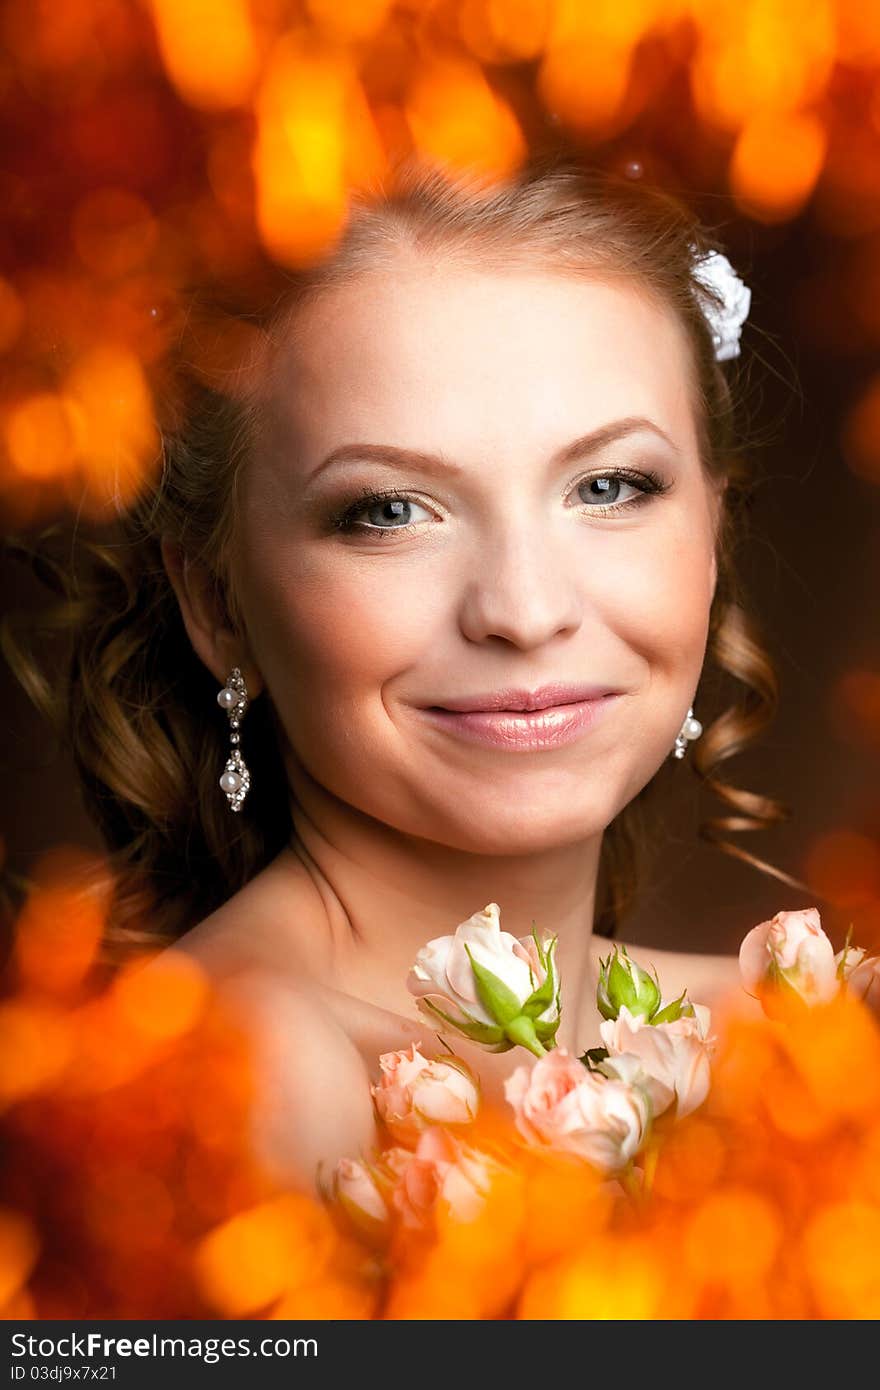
(327, 649)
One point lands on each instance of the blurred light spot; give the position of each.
(742, 1224)
(350, 21)
(764, 58)
(61, 924)
(845, 867)
(111, 408)
(39, 436)
(620, 22)
(456, 118)
(585, 84)
(315, 140)
(858, 32)
(692, 1160)
(499, 31)
(795, 1108)
(860, 439)
(840, 1249)
(110, 1053)
(209, 49)
(855, 702)
(163, 998)
(822, 1058)
(615, 1280)
(260, 1254)
(775, 164)
(19, 1247)
(35, 1047)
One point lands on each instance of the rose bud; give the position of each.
(491, 987)
(415, 1092)
(792, 954)
(359, 1196)
(624, 984)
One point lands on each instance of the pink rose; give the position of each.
(793, 950)
(863, 981)
(559, 1104)
(441, 1171)
(359, 1196)
(444, 982)
(415, 1092)
(672, 1059)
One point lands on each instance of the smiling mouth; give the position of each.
(523, 730)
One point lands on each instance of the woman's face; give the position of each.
(505, 561)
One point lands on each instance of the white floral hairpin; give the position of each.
(714, 271)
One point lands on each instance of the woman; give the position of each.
(481, 457)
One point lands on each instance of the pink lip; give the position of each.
(545, 697)
(523, 731)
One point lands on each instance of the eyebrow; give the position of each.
(584, 445)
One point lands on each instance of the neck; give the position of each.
(387, 893)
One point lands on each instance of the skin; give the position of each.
(511, 577)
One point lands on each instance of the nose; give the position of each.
(522, 589)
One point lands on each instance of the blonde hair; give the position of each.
(137, 707)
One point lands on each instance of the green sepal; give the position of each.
(617, 988)
(846, 945)
(545, 1028)
(496, 997)
(521, 1031)
(547, 992)
(603, 1003)
(673, 1011)
(779, 980)
(471, 1028)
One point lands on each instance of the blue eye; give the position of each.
(609, 488)
(395, 507)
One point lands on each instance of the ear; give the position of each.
(216, 644)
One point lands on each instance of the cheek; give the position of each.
(657, 596)
(324, 639)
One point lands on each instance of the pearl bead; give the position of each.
(692, 728)
(227, 698)
(230, 781)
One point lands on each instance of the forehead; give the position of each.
(466, 360)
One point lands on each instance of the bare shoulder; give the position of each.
(273, 922)
(312, 1101)
(313, 1104)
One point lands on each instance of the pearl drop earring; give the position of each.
(690, 729)
(235, 778)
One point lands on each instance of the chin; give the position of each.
(523, 831)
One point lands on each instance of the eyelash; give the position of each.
(648, 483)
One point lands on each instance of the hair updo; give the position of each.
(137, 708)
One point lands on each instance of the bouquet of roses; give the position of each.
(615, 1184)
(600, 1109)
